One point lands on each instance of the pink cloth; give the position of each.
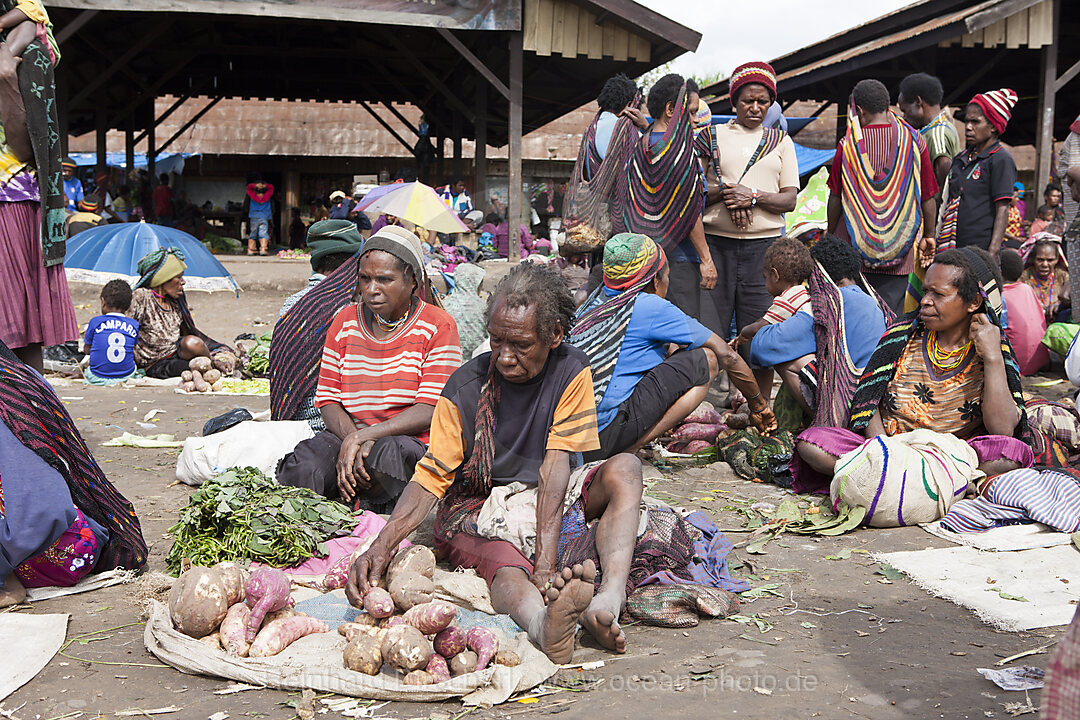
(1027, 325)
(66, 561)
(35, 305)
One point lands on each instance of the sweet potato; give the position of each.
(213, 641)
(185, 376)
(405, 648)
(267, 590)
(212, 375)
(437, 668)
(430, 617)
(463, 663)
(418, 677)
(704, 413)
(278, 635)
(737, 421)
(201, 363)
(286, 612)
(697, 446)
(233, 577)
(509, 658)
(234, 630)
(697, 431)
(409, 588)
(392, 621)
(450, 641)
(363, 655)
(378, 603)
(217, 386)
(484, 643)
(198, 602)
(188, 386)
(354, 630)
(200, 384)
(415, 558)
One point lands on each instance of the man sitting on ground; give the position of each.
(518, 416)
(626, 328)
(384, 364)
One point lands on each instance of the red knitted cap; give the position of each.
(753, 72)
(997, 106)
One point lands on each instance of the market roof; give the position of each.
(972, 45)
(117, 55)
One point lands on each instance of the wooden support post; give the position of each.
(292, 199)
(172, 108)
(515, 196)
(475, 62)
(480, 198)
(100, 146)
(1044, 141)
(129, 149)
(151, 152)
(455, 123)
(440, 164)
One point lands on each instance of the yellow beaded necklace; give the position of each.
(946, 360)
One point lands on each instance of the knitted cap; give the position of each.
(631, 258)
(997, 106)
(753, 72)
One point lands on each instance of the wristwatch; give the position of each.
(753, 197)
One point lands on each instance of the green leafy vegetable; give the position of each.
(242, 514)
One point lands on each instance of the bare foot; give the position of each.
(567, 598)
(13, 591)
(601, 620)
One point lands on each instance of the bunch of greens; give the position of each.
(242, 514)
(259, 356)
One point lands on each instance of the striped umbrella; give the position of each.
(416, 202)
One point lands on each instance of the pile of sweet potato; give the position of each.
(699, 430)
(412, 633)
(201, 377)
(244, 614)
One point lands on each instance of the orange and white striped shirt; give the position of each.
(376, 379)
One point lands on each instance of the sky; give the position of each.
(737, 31)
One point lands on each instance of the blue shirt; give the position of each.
(864, 323)
(260, 210)
(73, 189)
(111, 339)
(605, 126)
(654, 324)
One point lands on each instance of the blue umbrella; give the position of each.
(108, 252)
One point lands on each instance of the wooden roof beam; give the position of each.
(421, 68)
(476, 62)
(75, 25)
(149, 94)
(387, 127)
(100, 79)
(198, 116)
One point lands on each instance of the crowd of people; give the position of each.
(903, 329)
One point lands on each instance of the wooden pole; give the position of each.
(151, 152)
(292, 199)
(1044, 143)
(100, 146)
(456, 130)
(480, 198)
(129, 148)
(515, 199)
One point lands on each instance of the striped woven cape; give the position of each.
(660, 193)
(33, 413)
(883, 216)
(594, 180)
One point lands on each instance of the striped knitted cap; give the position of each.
(753, 72)
(630, 259)
(997, 106)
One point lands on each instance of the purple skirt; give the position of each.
(35, 305)
(837, 441)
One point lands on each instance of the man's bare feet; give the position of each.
(601, 620)
(567, 598)
(13, 591)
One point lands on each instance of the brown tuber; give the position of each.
(463, 663)
(405, 648)
(198, 602)
(509, 658)
(409, 588)
(363, 654)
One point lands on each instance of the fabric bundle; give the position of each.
(660, 193)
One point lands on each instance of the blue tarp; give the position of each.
(810, 159)
(165, 162)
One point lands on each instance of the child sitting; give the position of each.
(110, 337)
(1043, 217)
(787, 265)
(1027, 321)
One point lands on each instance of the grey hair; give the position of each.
(540, 286)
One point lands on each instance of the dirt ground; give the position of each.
(844, 642)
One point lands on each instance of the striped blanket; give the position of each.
(1051, 497)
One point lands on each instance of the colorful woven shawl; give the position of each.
(630, 264)
(882, 214)
(660, 194)
(837, 375)
(37, 85)
(33, 413)
(594, 180)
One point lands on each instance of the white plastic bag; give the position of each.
(250, 444)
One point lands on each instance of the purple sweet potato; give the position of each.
(484, 643)
(697, 446)
(438, 668)
(697, 431)
(267, 590)
(679, 446)
(278, 635)
(378, 603)
(450, 641)
(430, 617)
(704, 414)
(234, 630)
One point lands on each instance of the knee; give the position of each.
(192, 345)
(622, 473)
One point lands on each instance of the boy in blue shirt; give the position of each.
(111, 336)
